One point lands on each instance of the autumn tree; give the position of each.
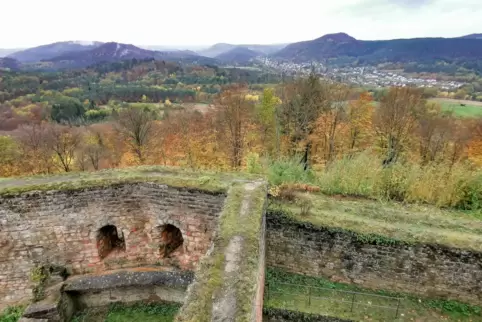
(328, 124)
(233, 113)
(461, 136)
(435, 130)
(267, 117)
(303, 102)
(63, 141)
(135, 125)
(94, 147)
(33, 140)
(395, 119)
(359, 120)
(9, 156)
(475, 144)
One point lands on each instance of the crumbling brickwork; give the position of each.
(428, 270)
(63, 227)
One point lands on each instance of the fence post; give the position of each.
(352, 302)
(398, 307)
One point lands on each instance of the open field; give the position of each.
(411, 223)
(321, 296)
(471, 109)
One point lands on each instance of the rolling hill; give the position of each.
(45, 52)
(9, 63)
(472, 36)
(341, 45)
(238, 55)
(112, 52)
(221, 48)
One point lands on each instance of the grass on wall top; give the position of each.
(171, 176)
(408, 223)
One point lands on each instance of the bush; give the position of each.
(354, 176)
(289, 170)
(97, 115)
(253, 164)
(305, 205)
(440, 184)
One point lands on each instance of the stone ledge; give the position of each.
(128, 278)
(41, 309)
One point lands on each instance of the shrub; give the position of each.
(287, 194)
(440, 184)
(305, 206)
(355, 176)
(97, 115)
(289, 170)
(253, 164)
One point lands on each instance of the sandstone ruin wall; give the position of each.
(62, 228)
(428, 270)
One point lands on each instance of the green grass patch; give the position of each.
(171, 176)
(461, 108)
(321, 296)
(376, 220)
(468, 111)
(11, 314)
(152, 312)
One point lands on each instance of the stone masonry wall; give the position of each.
(428, 270)
(61, 227)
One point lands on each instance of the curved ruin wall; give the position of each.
(428, 270)
(61, 227)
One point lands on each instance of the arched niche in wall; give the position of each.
(171, 240)
(108, 240)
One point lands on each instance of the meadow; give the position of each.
(460, 108)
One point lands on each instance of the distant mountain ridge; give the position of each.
(221, 48)
(335, 46)
(44, 52)
(9, 63)
(331, 48)
(112, 52)
(238, 55)
(472, 36)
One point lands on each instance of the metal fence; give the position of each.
(353, 301)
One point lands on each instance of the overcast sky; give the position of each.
(26, 23)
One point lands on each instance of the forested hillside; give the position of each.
(390, 143)
(344, 49)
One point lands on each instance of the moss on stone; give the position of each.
(174, 177)
(210, 277)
